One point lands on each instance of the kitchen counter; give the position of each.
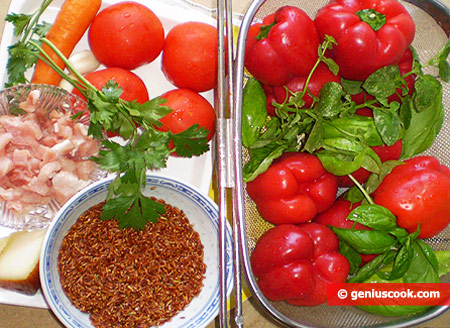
(27, 317)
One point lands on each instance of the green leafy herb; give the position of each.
(254, 112)
(144, 149)
(423, 117)
(22, 55)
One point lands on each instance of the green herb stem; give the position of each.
(361, 188)
(35, 19)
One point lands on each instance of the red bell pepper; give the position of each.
(417, 192)
(370, 34)
(319, 78)
(295, 262)
(283, 45)
(294, 189)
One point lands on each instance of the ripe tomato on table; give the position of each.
(188, 108)
(133, 88)
(126, 34)
(189, 57)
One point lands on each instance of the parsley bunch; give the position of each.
(144, 148)
(22, 55)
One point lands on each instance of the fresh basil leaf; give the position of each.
(254, 111)
(421, 269)
(315, 138)
(354, 195)
(444, 71)
(423, 126)
(401, 264)
(427, 90)
(354, 126)
(374, 216)
(353, 257)
(330, 100)
(443, 258)
(261, 159)
(272, 131)
(368, 270)
(383, 83)
(366, 241)
(406, 109)
(351, 87)
(372, 161)
(339, 162)
(388, 124)
(429, 254)
(375, 179)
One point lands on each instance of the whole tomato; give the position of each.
(295, 262)
(284, 45)
(126, 34)
(294, 189)
(133, 88)
(189, 57)
(188, 108)
(417, 192)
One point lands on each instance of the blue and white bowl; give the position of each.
(201, 211)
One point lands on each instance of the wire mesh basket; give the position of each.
(432, 20)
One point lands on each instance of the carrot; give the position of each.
(70, 25)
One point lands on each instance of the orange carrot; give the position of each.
(70, 25)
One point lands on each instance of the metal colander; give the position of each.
(432, 29)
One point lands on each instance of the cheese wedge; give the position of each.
(19, 261)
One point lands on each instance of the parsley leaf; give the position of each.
(144, 147)
(22, 55)
(191, 141)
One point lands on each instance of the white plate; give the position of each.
(202, 213)
(196, 171)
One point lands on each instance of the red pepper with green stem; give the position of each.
(283, 45)
(370, 34)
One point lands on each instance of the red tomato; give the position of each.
(127, 35)
(188, 108)
(189, 58)
(133, 88)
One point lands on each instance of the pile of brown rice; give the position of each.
(128, 278)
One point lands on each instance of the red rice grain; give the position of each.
(128, 278)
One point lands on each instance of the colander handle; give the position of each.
(224, 160)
